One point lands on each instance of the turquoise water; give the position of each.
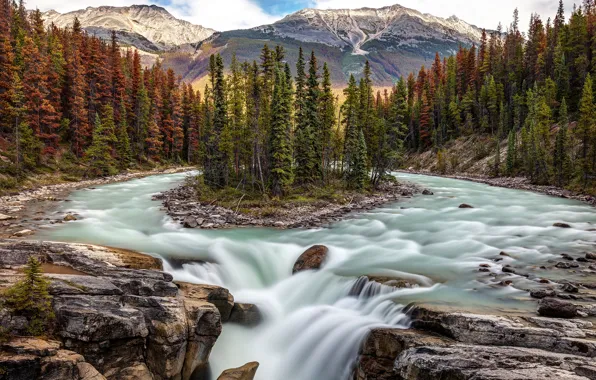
(312, 326)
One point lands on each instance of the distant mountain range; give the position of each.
(395, 39)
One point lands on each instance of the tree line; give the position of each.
(66, 95)
(525, 88)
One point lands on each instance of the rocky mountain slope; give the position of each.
(390, 27)
(148, 27)
(396, 40)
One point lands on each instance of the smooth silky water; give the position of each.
(313, 326)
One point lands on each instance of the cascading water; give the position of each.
(315, 321)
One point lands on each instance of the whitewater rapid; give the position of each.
(313, 325)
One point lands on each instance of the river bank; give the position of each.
(518, 183)
(183, 205)
(22, 212)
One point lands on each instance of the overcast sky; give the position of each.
(235, 14)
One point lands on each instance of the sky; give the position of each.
(238, 14)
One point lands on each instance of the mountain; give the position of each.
(147, 27)
(395, 39)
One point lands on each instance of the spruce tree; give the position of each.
(98, 155)
(122, 142)
(30, 298)
(327, 120)
(279, 146)
(308, 130)
(511, 152)
(585, 129)
(561, 159)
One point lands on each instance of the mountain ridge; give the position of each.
(148, 27)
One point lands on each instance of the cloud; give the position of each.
(222, 14)
(485, 14)
(217, 14)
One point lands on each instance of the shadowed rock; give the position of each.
(555, 308)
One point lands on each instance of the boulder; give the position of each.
(561, 225)
(216, 295)
(246, 372)
(382, 346)
(555, 308)
(204, 327)
(542, 293)
(463, 362)
(591, 255)
(427, 192)
(491, 330)
(465, 205)
(190, 222)
(23, 233)
(245, 314)
(69, 218)
(311, 259)
(5, 217)
(26, 358)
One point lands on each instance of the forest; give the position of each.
(73, 103)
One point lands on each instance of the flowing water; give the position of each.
(315, 321)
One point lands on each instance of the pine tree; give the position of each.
(216, 160)
(585, 129)
(511, 152)
(279, 146)
(99, 154)
(30, 298)
(308, 133)
(327, 120)
(561, 159)
(122, 141)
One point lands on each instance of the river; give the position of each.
(313, 327)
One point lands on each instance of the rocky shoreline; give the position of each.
(181, 205)
(119, 317)
(518, 183)
(21, 212)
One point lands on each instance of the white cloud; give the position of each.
(217, 14)
(222, 14)
(485, 14)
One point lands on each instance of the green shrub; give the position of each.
(30, 298)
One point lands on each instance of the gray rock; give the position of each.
(190, 222)
(465, 205)
(561, 225)
(465, 362)
(542, 293)
(216, 295)
(555, 308)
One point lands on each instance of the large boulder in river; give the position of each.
(246, 372)
(556, 308)
(216, 295)
(311, 259)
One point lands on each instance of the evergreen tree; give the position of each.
(327, 120)
(585, 129)
(279, 146)
(99, 153)
(122, 142)
(511, 152)
(308, 133)
(30, 298)
(561, 159)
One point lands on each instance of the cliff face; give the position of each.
(117, 313)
